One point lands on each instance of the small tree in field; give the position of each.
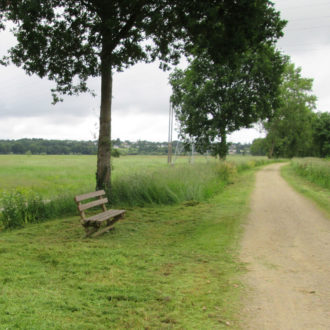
(69, 41)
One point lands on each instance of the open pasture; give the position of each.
(54, 175)
(30, 182)
(51, 176)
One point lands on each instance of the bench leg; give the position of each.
(91, 229)
(109, 226)
(94, 229)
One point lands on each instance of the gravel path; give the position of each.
(287, 250)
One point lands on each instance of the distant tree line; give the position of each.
(48, 147)
(317, 128)
(69, 147)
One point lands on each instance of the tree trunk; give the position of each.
(271, 149)
(103, 174)
(223, 148)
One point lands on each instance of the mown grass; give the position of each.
(310, 177)
(164, 267)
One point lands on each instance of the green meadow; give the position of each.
(172, 263)
(52, 176)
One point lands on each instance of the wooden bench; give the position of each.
(92, 224)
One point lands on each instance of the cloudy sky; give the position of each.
(141, 93)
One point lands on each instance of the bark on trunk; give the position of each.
(103, 174)
(223, 148)
(271, 149)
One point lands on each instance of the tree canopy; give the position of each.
(69, 41)
(289, 130)
(212, 100)
(321, 134)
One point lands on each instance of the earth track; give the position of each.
(286, 247)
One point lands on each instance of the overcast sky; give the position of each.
(141, 93)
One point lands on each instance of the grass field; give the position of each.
(163, 267)
(52, 176)
(311, 177)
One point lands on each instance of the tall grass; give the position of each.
(133, 185)
(314, 170)
(243, 163)
(172, 185)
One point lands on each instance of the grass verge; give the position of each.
(320, 195)
(164, 267)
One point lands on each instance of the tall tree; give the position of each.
(212, 100)
(321, 134)
(259, 147)
(69, 41)
(289, 129)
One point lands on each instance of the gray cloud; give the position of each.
(141, 93)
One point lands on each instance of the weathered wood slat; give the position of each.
(104, 216)
(93, 224)
(93, 194)
(86, 206)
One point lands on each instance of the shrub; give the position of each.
(24, 206)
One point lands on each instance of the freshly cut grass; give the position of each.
(314, 170)
(163, 267)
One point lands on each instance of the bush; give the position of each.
(24, 206)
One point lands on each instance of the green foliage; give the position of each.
(212, 100)
(70, 41)
(259, 147)
(314, 170)
(73, 40)
(289, 130)
(21, 206)
(115, 153)
(321, 134)
(49, 147)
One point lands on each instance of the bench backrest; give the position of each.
(102, 200)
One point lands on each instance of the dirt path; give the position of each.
(287, 249)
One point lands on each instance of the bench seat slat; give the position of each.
(80, 198)
(86, 206)
(104, 216)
